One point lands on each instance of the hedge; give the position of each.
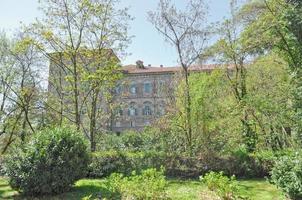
(181, 166)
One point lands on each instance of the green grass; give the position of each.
(177, 190)
(185, 190)
(260, 189)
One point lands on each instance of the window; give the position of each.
(133, 88)
(147, 109)
(118, 89)
(147, 87)
(132, 124)
(132, 110)
(161, 86)
(118, 124)
(161, 110)
(120, 112)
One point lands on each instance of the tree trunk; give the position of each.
(188, 109)
(76, 94)
(23, 130)
(93, 120)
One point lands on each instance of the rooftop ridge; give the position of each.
(132, 69)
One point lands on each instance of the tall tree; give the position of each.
(287, 18)
(20, 88)
(278, 26)
(235, 53)
(186, 31)
(82, 39)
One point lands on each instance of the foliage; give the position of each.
(223, 186)
(269, 102)
(212, 110)
(240, 163)
(177, 189)
(278, 30)
(287, 175)
(1, 166)
(85, 38)
(105, 163)
(185, 30)
(49, 164)
(127, 141)
(20, 89)
(150, 184)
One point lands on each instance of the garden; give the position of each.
(228, 131)
(56, 164)
(176, 189)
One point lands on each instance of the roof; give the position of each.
(133, 69)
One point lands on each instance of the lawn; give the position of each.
(177, 190)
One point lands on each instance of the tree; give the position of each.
(20, 88)
(287, 17)
(278, 27)
(214, 116)
(248, 45)
(186, 31)
(233, 51)
(269, 102)
(82, 39)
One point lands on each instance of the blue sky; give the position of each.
(147, 45)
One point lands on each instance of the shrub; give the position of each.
(150, 184)
(255, 165)
(49, 164)
(287, 175)
(128, 141)
(225, 187)
(181, 166)
(105, 163)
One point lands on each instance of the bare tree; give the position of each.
(186, 31)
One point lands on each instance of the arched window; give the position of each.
(161, 109)
(118, 89)
(147, 87)
(147, 109)
(120, 112)
(132, 110)
(133, 88)
(161, 86)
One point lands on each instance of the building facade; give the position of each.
(144, 94)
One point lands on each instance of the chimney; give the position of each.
(161, 66)
(140, 64)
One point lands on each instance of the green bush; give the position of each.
(287, 175)
(249, 165)
(105, 163)
(150, 184)
(128, 141)
(225, 187)
(49, 164)
(252, 165)
(180, 166)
